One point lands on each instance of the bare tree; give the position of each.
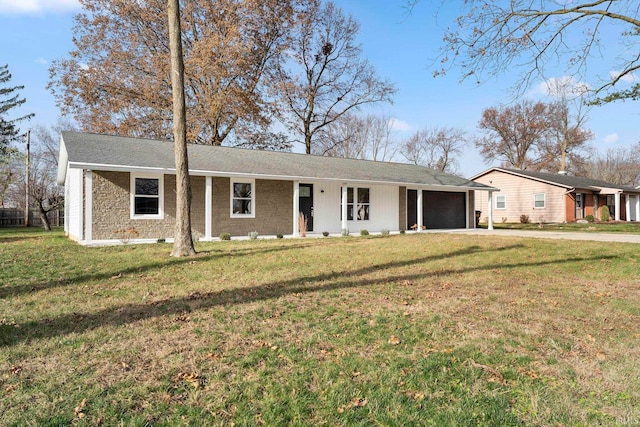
(183, 242)
(513, 134)
(325, 76)
(490, 37)
(367, 137)
(568, 114)
(117, 78)
(617, 165)
(44, 193)
(435, 148)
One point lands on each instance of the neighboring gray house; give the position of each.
(549, 197)
(113, 183)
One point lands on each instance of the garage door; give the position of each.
(442, 209)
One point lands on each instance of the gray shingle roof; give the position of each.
(87, 149)
(567, 180)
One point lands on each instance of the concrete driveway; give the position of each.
(596, 237)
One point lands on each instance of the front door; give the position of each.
(579, 206)
(306, 203)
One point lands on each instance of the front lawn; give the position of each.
(430, 329)
(595, 227)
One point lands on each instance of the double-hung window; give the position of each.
(243, 199)
(501, 201)
(538, 201)
(146, 196)
(358, 204)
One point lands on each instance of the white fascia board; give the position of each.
(63, 162)
(195, 172)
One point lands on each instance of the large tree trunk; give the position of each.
(43, 216)
(183, 243)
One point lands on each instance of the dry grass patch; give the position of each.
(429, 329)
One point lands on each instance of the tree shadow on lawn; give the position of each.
(117, 316)
(8, 291)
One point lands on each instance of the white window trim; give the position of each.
(355, 204)
(132, 192)
(544, 200)
(253, 198)
(505, 202)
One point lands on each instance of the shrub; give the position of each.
(345, 232)
(302, 224)
(590, 218)
(605, 215)
(402, 231)
(504, 219)
(253, 235)
(162, 240)
(279, 236)
(524, 219)
(325, 233)
(384, 232)
(225, 236)
(364, 232)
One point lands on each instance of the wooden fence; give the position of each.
(15, 218)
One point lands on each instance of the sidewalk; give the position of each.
(597, 237)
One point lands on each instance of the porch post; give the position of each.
(637, 208)
(490, 209)
(88, 207)
(296, 209)
(617, 201)
(420, 211)
(627, 205)
(343, 223)
(208, 208)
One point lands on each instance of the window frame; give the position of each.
(232, 197)
(133, 195)
(354, 204)
(544, 200)
(504, 196)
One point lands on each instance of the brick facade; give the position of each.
(273, 209)
(111, 206)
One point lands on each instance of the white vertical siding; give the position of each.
(74, 204)
(519, 192)
(383, 214)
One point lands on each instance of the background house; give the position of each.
(547, 197)
(114, 183)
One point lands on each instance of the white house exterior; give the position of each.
(117, 183)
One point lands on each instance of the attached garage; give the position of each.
(440, 209)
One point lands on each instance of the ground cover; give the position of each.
(431, 329)
(594, 227)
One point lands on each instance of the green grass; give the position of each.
(430, 329)
(595, 227)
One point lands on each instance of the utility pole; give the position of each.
(26, 182)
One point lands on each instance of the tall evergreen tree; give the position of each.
(9, 99)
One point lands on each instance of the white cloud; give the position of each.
(42, 61)
(627, 78)
(556, 86)
(399, 125)
(612, 138)
(30, 7)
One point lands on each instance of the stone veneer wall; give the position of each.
(112, 211)
(273, 209)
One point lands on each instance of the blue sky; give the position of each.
(401, 46)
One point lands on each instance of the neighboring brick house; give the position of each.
(548, 197)
(114, 183)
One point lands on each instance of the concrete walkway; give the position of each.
(597, 237)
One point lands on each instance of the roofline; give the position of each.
(603, 189)
(123, 168)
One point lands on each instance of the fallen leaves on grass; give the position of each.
(495, 375)
(79, 410)
(355, 403)
(194, 379)
(394, 340)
